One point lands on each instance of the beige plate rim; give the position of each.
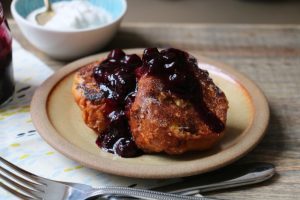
(255, 131)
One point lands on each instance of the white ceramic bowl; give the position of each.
(68, 45)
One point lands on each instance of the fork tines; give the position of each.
(20, 182)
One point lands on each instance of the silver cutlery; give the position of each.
(228, 177)
(32, 187)
(43, 17)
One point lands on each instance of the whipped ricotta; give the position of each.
(74, 15)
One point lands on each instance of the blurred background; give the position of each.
(210, 11)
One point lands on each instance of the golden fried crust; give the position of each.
(159, 120)
(86, 94)
(162, 122)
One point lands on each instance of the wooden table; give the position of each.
(269, 55)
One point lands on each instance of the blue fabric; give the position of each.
(114, 7)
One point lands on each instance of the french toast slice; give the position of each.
(160, 121)
(87, 96)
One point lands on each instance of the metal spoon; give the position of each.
(43, 17)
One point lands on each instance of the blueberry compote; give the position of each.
(6, 69)
(116, 78)
(177, 69)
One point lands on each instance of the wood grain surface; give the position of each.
(269, 55)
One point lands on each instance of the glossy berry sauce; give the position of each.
(177, 70)
(117, 78)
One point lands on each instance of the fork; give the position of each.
(33, 187)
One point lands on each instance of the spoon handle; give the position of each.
(48, 5)
(230, 177)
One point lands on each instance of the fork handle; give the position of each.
(140, 193)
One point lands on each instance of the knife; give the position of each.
(228, 177)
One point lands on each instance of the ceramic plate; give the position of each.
(58, 120)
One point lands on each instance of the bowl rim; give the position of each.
(18, 17)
